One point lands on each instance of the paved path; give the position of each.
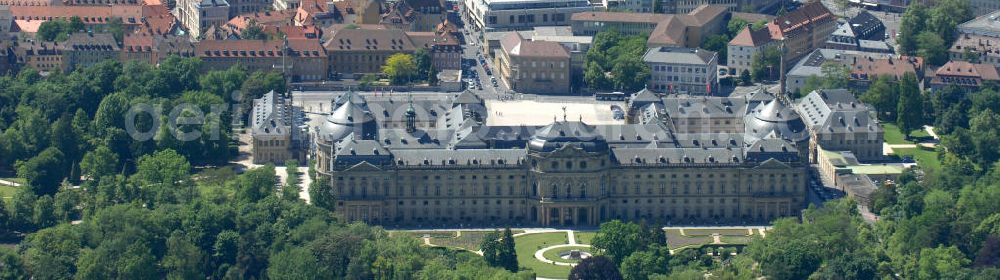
(9, 183)
(540, 254)
(304, 183)
(930, 130)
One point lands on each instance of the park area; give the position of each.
(552, 253)
(919, 147)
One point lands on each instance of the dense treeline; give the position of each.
(141, 212)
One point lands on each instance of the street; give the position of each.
(471, 54)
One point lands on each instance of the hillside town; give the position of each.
(610, 139)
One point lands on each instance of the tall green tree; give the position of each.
(909, 110)
(491, 248)
(294, 263)
(932, 48)
(617, 240)
(595, 268)
(911, 24)
(766, 64)
(883, 94)
(11, 266)
(99, 163)
(507, 254)
(44, 172)
(400, 68)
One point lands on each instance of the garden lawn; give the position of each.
(925, 158)
(676, 240)
(468, 240)
(703, 232)
(526, 245)
(735, 239)
(893, 135)
(7, 193)
(585, 237)
(554, 253)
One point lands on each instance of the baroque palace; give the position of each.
(677, 159)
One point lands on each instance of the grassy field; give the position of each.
(925, 158)
(468, 240)
(676, 240)
(526, 245)
(7, 192)
(894, 136)
(584, 237)
(554, 253)
(735, 239)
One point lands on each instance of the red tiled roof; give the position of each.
(970, 70)
(130, 14)
(751, 38)
(258, 48)
(514, 45)
(807, 15)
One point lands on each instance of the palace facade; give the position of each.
(453, 170)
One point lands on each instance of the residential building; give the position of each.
(363, 49)
(79, 50)
(415, 15)
(576, 45)
(86, 49)
(837, 121)
(685, 6)
(846, 38)
(629, 24)
(268, 21)
(8, 59)
(96, 16)
(154, 48)
(863, 67)
(199, 15)
(301, 59)
(98, 2)
(286, 4)
(634, 6)
(743, 47)
(803, 30)
(237, 7)
(976, 49)
(985, 25)
(445, 49)
(682, 70)
(967, 76)
(984, 7)
(681, 30)
(277, 133)
(505, 15)
(538, 67)
(867, 26)
(324, 14)
(565, 173)
(366, 11)
(6, 22)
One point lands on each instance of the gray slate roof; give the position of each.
(693, 56)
